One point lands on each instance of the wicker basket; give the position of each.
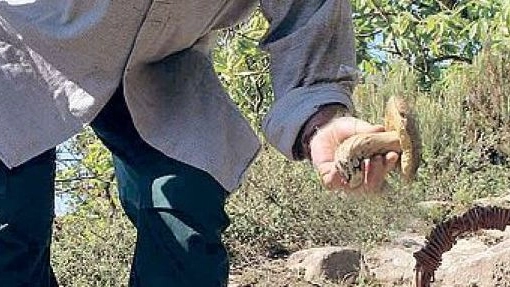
(444, 236)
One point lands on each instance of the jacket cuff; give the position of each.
(326, 113)
(283, 125)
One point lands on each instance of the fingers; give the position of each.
(376, 174)
(391, 161)
(330, 178)
(375, 171)
(324, 143)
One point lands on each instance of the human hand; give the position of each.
(324, 143)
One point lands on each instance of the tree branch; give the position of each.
(71, 179)
(371, 34)
(108, 194)
(456, 58)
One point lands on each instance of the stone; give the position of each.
(431, 205)
(337, 264)
(470, 262)
(391, 265)
(485, 268)
(501, 201)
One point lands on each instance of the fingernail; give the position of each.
(366, 168)
(393, 159)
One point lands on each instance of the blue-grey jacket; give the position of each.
(61, 60)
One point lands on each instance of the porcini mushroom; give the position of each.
(401, 135)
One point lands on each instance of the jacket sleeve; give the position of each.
(311, 46)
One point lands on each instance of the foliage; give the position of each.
(93, 243)
(85, 174)
(93, 250)
(244, 69)
(463, 122)
(428, 35)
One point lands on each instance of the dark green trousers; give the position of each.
(177, 209)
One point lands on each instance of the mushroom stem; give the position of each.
(354, 150)
(401, 136)
(369, 144)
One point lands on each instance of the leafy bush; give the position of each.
(93, 250)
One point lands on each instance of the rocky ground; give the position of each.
(481, 259)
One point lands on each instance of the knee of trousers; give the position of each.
(175, 228)
(201, 208)
(194, 217)
(180, 246)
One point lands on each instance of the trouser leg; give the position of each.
(26, 217)
(177, 209)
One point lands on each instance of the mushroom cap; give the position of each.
(400, 117)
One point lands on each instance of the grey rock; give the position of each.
(340, 264)
(471, 262)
